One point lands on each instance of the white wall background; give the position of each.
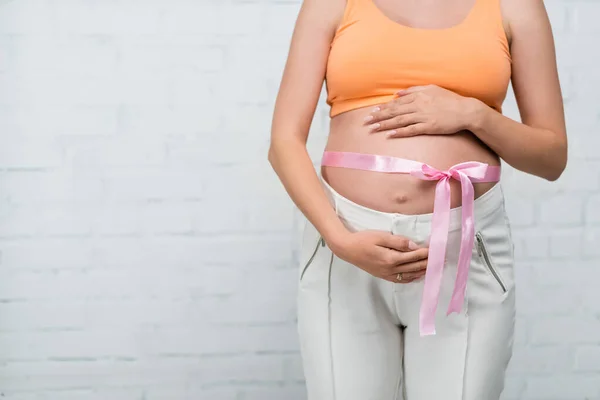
(146, 248)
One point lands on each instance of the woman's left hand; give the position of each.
(421, 110)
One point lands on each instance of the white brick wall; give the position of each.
(146, 248)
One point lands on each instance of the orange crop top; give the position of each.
(372, 57)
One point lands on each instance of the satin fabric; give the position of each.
(466, 173)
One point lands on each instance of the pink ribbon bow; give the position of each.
(466, 173)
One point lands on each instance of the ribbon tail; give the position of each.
(437, 255)
(466, 244)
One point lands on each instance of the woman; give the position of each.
(406, 284)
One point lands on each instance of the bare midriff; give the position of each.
(399, 193)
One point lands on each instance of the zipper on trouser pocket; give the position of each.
(321, 242)
(483, 254)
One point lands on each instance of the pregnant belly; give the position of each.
(399, 193)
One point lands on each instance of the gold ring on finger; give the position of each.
(399, 277)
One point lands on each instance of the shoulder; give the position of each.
(522, 15)
(326, 8)
(326, 13)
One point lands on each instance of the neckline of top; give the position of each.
(460, 24)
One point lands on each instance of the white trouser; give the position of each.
(359, 334)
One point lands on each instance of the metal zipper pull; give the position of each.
(479, 244)
(481, 250)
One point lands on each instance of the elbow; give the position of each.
(558, 163)
(281, 148)
(554, 174)
(271, 155)
(274, 155)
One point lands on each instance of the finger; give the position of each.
(407, 98)
(397, 242)
(393, 279)
(412, 89)
(399, 121)
(406, 278)
(381, 106)
(412, 279)
(407, 257)
(411, 267)
(369, 119)
(390, 113)
(420, 128)
(391, 110)
(379, 115)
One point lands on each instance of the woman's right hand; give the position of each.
(383, 255)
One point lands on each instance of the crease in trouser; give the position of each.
(329, 322)
(317, 316)
(331, 369)
(400, 392)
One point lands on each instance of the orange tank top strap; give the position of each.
(352, 12)
(490, 18)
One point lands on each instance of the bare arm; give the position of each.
(294, 110)
(538, 145)
(380, 253)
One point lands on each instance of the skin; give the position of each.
(429, 124)
(426, 110)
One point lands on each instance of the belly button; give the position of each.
(401, 199)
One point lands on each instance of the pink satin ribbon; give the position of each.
(466, 173)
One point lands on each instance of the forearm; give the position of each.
(536, 151)
(293, 166)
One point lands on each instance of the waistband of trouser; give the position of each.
(485, 206)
